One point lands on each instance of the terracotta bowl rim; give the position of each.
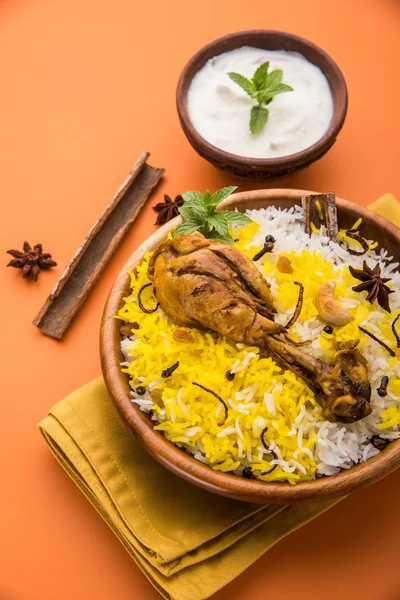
(284, 162)
(181, 463)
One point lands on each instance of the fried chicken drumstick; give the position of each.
(210, 285)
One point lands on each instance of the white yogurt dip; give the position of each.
(220, 110)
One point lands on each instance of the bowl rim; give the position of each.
(177, 460)
(288, 161)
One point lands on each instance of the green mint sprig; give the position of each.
(263, 87)
(199, 213)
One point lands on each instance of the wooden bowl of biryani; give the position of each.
(180, 461)
(263, 168)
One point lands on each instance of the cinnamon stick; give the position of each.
(90, 259)
(320, 209)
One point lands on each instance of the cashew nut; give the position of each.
(329, 309)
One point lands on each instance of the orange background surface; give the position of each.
(87, 85)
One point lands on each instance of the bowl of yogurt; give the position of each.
(261, 104)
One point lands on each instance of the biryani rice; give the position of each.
(261, 394)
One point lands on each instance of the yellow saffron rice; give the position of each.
(260, 395)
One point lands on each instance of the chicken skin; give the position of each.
(209, 285)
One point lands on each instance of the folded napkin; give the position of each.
(189, 543)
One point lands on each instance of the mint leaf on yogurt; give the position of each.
(262, 87)
(246, 85)
(260, 76)
(258, 118)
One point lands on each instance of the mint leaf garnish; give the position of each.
(199, 213)
(262, 87)
(188, 226)
(196, 212)
(193, 198)
(236, 218)
(208, 201)
(246, 85)
(260, 75)
(219, 223)
(225, 239)
(282, 87)
(273, 79)
(222, 194)
(258, 118)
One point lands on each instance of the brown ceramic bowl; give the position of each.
(271, 168)
(178, 461)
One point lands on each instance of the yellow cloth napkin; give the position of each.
(387, 206)
(189, 543)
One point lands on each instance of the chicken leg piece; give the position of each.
(342, 388)
(209, 285)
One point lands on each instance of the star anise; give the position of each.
(31, 260)
(373, 283)
(168, 209)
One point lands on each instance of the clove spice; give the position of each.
(268, 247)
(382, 389)
(247, 473)
(168, 372)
